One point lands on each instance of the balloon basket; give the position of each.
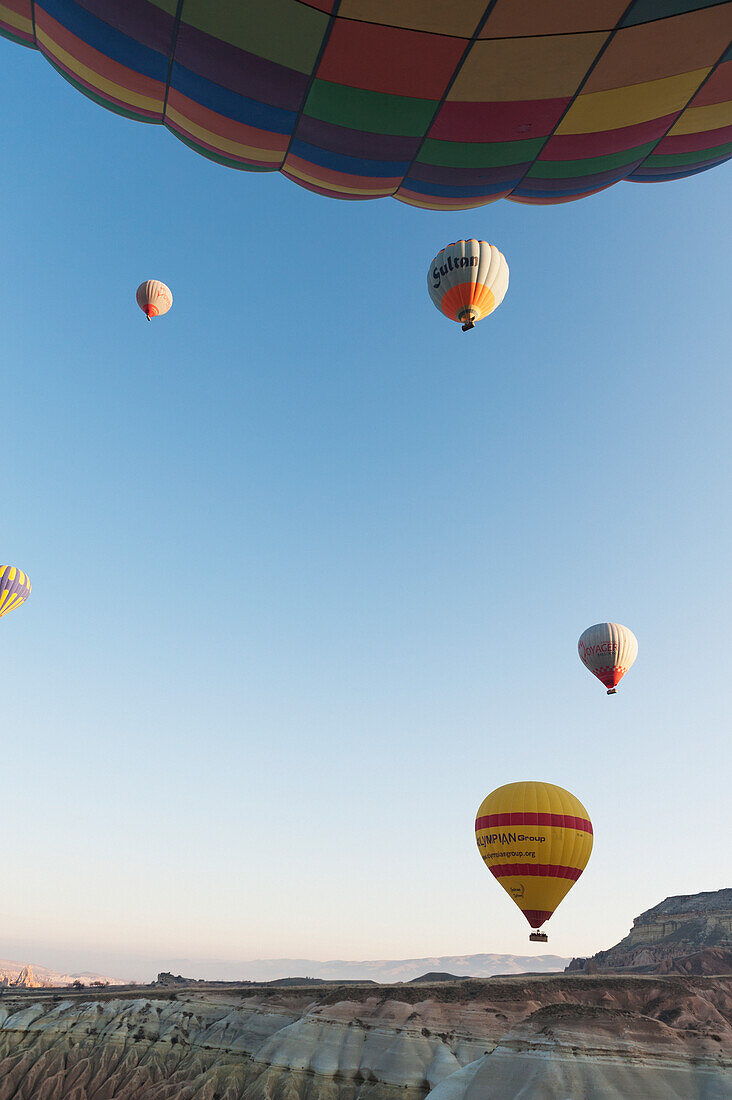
(612, 691)
(538, 937)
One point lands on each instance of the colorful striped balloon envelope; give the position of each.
(15, 588)
(443, 104)
(536, 840)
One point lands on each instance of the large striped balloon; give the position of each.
(608, 650)
(15, 587)
(444, 104)
(467, 280)
(536, 839)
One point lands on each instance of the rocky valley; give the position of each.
(650, 1019)
(649, 1037)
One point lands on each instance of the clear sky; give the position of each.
(309, 564)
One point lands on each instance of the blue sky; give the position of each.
(309, 564)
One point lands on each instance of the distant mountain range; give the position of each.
(377, 970)
(30, 975)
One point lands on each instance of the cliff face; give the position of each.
(601, 1038)
(691, 933)
(699, 919)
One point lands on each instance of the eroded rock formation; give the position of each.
(690, 933)
(602, 1038)
(27, 976)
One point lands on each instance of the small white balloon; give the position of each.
(608, 650)
(154, 298)
(467, 280)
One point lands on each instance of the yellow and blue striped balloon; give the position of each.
(15, 587)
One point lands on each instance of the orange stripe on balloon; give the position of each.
(463, 295)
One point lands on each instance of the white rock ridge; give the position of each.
(558, 1054)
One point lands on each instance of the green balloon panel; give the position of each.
(443, 104)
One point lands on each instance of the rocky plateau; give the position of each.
(686, 934)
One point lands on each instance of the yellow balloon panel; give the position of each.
(536, 840)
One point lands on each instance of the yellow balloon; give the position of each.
(536, 839)
(15, 588)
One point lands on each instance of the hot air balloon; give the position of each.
(467, 280)
(15, 588)
(443, 105)
(536, 839)
(608, 650)
(154, 298)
